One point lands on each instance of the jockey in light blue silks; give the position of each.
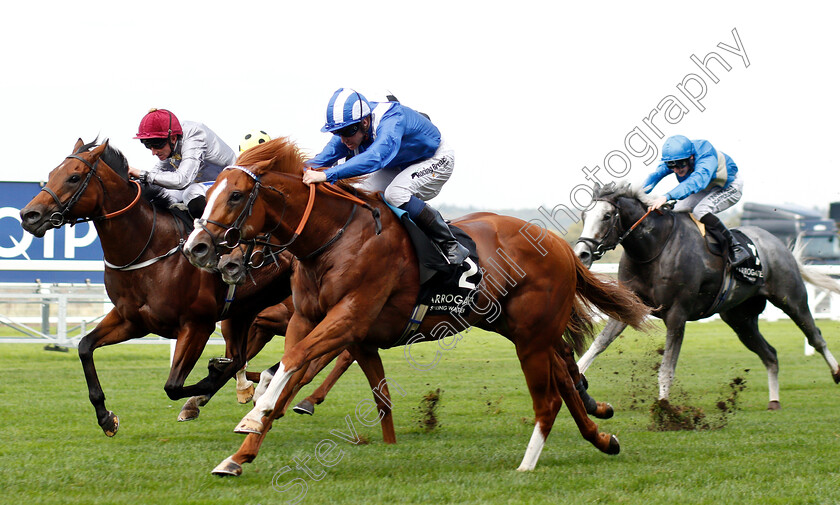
(402, 151)
(709, 183)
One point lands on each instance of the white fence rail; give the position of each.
(63, 324)
(64, 314)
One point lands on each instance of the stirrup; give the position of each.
(738, 254)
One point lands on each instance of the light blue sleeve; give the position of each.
(657, 175)
(705, 167)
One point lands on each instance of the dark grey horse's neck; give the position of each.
(647, 241)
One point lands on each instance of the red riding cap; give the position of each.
(159, 123)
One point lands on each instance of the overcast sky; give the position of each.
(527, 92)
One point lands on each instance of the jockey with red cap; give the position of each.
(401, 150)
(190, 157)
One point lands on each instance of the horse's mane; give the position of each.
(287, 158)
(115, 159)
(627, 190)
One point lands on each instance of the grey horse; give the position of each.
(670, 265)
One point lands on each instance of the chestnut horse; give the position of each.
(354, 286)
(153, 287)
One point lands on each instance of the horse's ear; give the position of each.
(79, 144)
(263, 165)
(97, 152)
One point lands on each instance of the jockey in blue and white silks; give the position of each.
(709, 183)
(402, 153)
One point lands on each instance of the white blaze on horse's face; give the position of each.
(190, 243)
(596, 222)
(215, 192)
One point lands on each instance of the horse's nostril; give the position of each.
(30, 216)
(200, 249)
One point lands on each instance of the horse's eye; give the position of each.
(235, 197)
(74, 178)
(606, 217)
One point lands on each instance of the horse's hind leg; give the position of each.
(549, 383)
(744, 320)
(600, 410)
(795, 305)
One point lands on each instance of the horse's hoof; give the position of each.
(245, 395)
(774, 405)
(111, 424)
(604, 411)
(249, 426)
(190, 410)
(304, 407)
(228, 468)
(614, 447)
(836, 376)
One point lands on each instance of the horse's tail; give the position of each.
(811, 275)
(608, 296)
(818, 279)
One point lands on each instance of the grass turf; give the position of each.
(52, 451)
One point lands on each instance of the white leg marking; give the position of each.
(241, 381)
(265, 404)
(265, 380)
(773, 382)
(532, 454)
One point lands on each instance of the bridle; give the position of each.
(233, 232)
(60, 217)
(599, 248)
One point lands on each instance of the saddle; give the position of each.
(444, 288)
(750, 271)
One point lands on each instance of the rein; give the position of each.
(233, 233)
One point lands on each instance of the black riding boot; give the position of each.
(432, 224)
(737, 252)
(196, 207)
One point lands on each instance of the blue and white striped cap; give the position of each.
(346, 107)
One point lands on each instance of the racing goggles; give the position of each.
(349, 130)
(677, 163)
(156, 143)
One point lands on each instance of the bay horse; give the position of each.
(355, 285)
(153, 287)
(668, 264)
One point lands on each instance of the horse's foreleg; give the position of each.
(612, 330)
(673, 344)
(189, 345)
(307, 405)
(335, 331)
(271, 321)
(113, 329)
